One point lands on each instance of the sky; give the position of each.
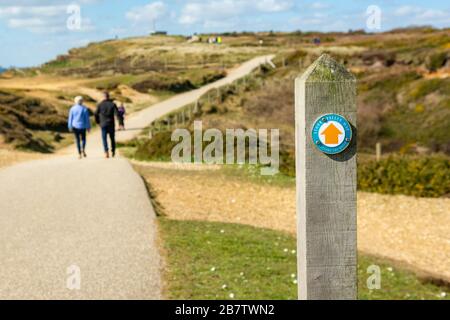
(35, 31)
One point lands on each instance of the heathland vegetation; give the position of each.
(139, 71)
(403, 104)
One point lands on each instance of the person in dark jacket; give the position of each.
(121, 116)
(105, 117)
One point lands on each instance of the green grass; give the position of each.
(210, 261)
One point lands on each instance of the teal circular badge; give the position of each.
(332, 134)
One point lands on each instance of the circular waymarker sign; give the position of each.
(332, 134)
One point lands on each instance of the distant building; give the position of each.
(193, 38)
(159, 33)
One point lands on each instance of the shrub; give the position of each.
(420, 177)
(164, 84)
(436, 61)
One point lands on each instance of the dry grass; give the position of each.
(412, 231)
(10, 157)
(189, 193)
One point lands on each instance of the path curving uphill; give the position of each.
(66, 222)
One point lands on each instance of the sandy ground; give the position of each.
(414, 232)
(10, 157)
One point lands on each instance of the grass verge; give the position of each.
(210, 261)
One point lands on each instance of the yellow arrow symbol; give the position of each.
(331, 134)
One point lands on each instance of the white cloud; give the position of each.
(147, 14)
(43, 16)
(406, 10)
(433, 14)
(418, 15)
(22, 11)
(319, 5)
(220, 12)
(273, 5)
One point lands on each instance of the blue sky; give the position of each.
(35, 31)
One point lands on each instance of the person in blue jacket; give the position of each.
(79, 122)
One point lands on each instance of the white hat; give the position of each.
(78, 100)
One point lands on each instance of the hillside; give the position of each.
(403, 85)
(138, 72)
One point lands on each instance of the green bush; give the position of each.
(158, 148)
(436, 61)
(420, 177)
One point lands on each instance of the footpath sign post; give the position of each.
(326, 181)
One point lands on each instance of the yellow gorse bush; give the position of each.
(421, 177)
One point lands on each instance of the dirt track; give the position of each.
(411, 231)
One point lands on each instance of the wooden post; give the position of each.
(378, 151)
(326, 186)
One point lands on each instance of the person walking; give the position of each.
(105, 117)
(121, 116)
(78, 123)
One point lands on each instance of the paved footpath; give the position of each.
(89, 221)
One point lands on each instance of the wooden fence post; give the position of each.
(326, 181)
(378, 151)
(196, 107)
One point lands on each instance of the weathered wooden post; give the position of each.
(378, 151)
(326, 181)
